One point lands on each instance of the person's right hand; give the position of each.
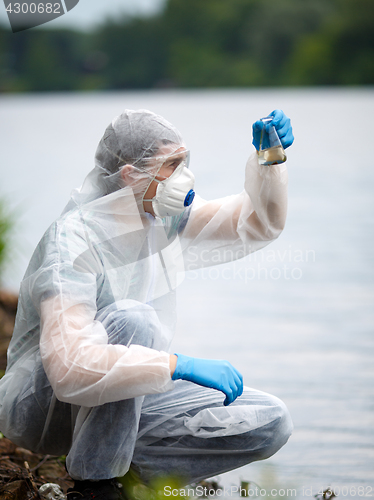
(282, 124)
(216, 374)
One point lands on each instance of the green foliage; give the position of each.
(341, 52)
(40, 60)
(210, 43)
(246, 42)
(135, 52)
(6, 226)
(135, 489)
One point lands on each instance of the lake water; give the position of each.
(296, 318)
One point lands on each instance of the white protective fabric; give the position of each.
(105, 248)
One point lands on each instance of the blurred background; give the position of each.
(162, 44)
(295, 318)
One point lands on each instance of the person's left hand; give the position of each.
(282, 124)
(214, 373)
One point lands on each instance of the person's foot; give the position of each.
(108, 489)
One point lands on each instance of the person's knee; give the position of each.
(130, 322)
(279, 430)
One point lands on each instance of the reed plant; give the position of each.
(6, 228)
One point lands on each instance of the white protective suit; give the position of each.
(105, 249)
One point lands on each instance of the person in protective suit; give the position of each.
(89, 374)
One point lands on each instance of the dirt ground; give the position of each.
(23, 472)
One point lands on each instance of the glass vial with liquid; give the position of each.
(271, 151)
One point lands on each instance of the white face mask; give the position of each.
(174, 194)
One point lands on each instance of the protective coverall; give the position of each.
(88, 365)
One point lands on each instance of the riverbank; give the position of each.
(21, 471)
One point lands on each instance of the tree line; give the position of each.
(195, 43)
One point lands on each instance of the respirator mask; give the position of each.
(175, 193)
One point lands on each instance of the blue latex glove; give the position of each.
(217, 374)
(282, 125)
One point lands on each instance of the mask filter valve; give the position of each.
(189, 198)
